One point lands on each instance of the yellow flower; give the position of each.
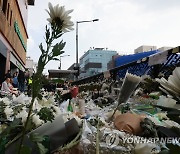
(60, 17)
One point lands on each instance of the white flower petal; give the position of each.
(69, 11)
(51, 10)
(36, 120)
(23, 115)
(56, 8)
(60, 12)
(49, 19)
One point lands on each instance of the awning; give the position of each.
(16, 62)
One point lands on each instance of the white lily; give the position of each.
(60, 17)
(57, 111)
(6, 101)
(9, 112)
(36, 120)
(23, 115)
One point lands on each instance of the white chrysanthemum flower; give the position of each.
(45, 94)
(23, 115)
(36, 120)
(42, 101)
(19, 99)
(50, 101)
(57, 111)
(60, 17)
(6, 101)
(13, 97)
(47, 102)
(36, 105)
(9, 112)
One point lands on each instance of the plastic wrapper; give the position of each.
(128, 87)
(110, 141)
(82, 106)
(57, 134)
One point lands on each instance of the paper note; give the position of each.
(158, 58)
(107, 74)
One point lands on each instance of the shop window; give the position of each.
(4, 7)
(8, 12)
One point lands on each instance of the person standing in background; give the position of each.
(15, 80)
(29, 86)
(21, 80)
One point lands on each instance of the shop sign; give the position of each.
(17, 30)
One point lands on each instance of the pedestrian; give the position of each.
(29, 85)
(15, 80)
(21, 80)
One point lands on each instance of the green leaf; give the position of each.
(41, 48)
(56, 51)
(15, 122)
(49, 58)
(46, 114)
(30, 125)
(57, 48)
(174, 149)
(47, 34)
(3, 142)
(55, 59)
(40, 96)
(42, 149)
(35, 137)
(25, 150)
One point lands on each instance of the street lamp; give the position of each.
(78, 22)
(60, 60)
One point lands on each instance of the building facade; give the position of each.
(164, 48)
(145, 48)
(111, 63)
(95, 61)
(31, 66)
(13, 34)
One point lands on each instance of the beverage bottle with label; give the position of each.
(70, 108)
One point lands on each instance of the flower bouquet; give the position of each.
(172, 85)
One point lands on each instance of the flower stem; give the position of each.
(25, 126)
(97, 138)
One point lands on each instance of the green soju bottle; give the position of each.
(70, 108)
